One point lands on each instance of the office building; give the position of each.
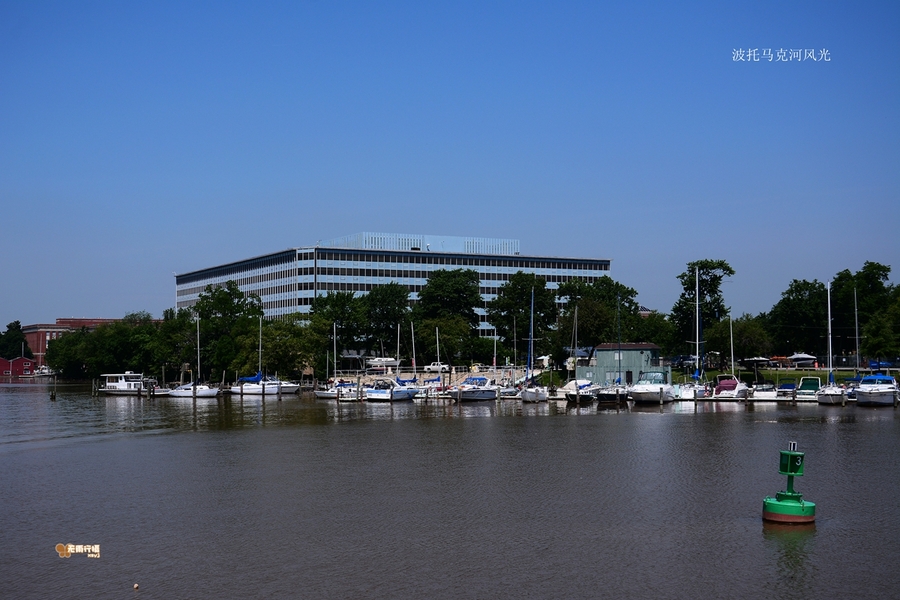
(287, 281)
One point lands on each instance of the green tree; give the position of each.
(605, 308)
(66, 354)
(799, 320)
(510, 311)
(384, 308)
(13, 343)
(226, 314)
(879, 340)
(712, 306)
(867, 290)
(447, 294)
(751, 337)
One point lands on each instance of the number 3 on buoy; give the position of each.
(799, 460)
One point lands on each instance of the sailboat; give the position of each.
(260, 385)
(195, 389)
(532, 393)
(830, 393)
(615, 392)
(343, 391)
(695, 389)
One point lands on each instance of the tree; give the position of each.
(605, 308)
(226, 314)
(712, 306)
(510, 311)
(384, 308)
(449, 293)
(750, 337)
(13, 343)
(799, 321)
(867, 290)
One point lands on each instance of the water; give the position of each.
(491, 500)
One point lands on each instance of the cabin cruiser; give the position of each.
(876, 390)
(388, 390)
(189, 390)
(729, 386)
(808, 388)
(652, 386)
(130, 383)
(473, 389)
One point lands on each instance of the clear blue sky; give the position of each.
(140, 139)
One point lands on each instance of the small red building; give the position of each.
(16, 367)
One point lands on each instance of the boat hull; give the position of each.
(875, 397)
(652, 394)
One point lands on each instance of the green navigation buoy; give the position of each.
(788, 506)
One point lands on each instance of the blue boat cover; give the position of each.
(255, 379)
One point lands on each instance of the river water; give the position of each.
(309, 499)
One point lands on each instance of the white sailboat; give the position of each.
(195, 389)
(260, 385)
(532, 393)
(830, 393)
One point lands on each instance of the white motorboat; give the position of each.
(808, 389)
(388, 390)
(188, 391)
(730, 387)
(652, 386)
(382, 361)
(263, 386)
(876, 390)
(344, 391)
(473, 389)
(129, 383)
(764, 391)
(611, 393)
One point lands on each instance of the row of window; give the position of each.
(467, 261)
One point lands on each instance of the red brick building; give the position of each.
(39, 336)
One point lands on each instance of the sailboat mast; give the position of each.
(697, 311)
(412, 330)
(828, 288)
(856, 320)
(530, 336)
(259, 366)
(198, 349)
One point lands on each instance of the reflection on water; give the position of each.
(790, 547)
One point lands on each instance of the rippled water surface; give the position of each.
(300, 498)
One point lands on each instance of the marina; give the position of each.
(439, 499)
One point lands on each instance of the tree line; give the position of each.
(232, 330)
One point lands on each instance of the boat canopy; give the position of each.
(254, 379)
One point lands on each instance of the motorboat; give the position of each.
(786, 388)
(258, 385)
(764, 391)
(343, 391)
(382, 362)
(128, 383)
(808, 389)
(189, 390)
(729, 386)
(652, 386)
(473, 389)
(579, 390)
(388, 390)
(876, 390)
(611, 393)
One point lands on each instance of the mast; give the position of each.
(259, 366)
(830, 375)
(697, 314)
(334, 338)
(856, 320)
(619, 335)
(198, 350)
(412, 330)
(530, 337)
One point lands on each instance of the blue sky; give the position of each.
(142, 139)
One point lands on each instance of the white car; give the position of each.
(437, 367)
